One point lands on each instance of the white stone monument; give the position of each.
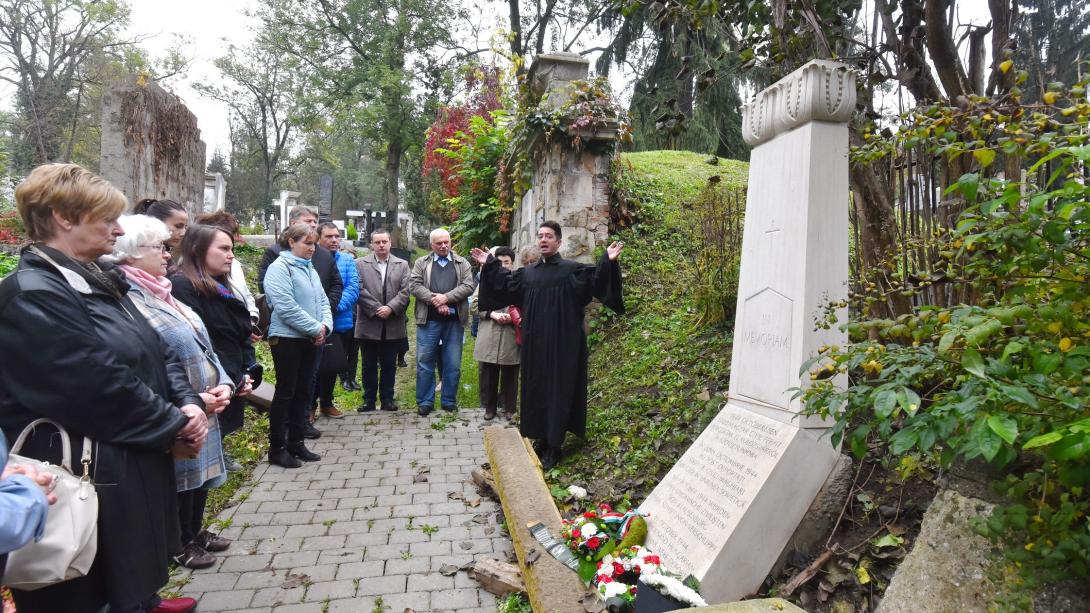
(725, 511)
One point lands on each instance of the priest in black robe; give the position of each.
(552, 295)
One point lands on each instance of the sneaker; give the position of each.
(281, 457)
(300, 452)
(194, 556)
(332, 412)
(309, 431)
(212, 542)
(233, 465)
(175, 605)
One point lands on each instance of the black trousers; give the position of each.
(498, 382)
(326, 381)
(294, 360)
(353, 350)
(191, 512)
(379, 368)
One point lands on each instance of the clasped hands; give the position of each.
(193, 434)
(217, 398)
(500, 318)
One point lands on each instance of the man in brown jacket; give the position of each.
(380, 319)
(442, 283)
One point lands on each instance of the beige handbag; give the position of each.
(68, 546)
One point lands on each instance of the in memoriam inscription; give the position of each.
(699, 503)
(762, 354)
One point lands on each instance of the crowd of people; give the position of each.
(138, 332)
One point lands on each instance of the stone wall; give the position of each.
(151, 146)
(570, 185)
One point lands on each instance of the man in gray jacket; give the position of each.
(442, 283)
(380, 319)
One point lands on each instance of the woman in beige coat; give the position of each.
(497, 353)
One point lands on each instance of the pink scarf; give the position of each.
(156, 286)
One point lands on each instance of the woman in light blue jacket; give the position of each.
(301, 320)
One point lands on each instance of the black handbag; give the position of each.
(333, 358)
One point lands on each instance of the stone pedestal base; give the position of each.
(728, 507)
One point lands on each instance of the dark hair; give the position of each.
(555, 227)
(194, 249)
(296, 232)
(159, 209)
(221, 219)
(322, 227)
(509, 252)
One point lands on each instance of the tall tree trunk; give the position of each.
(516, 33)
(873, 196)
(393, 175)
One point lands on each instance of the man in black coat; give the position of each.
(326, 264)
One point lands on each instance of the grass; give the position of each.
(656, 377)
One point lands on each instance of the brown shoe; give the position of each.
(212, 543)
(489, 414)
(194, 556)
(332, 412)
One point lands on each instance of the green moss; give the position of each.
(657, 377)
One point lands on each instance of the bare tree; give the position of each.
(45, 48)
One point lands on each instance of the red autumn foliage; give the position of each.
(484, 92)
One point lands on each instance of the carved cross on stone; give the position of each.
(771, 232)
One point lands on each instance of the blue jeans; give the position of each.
(428, 336)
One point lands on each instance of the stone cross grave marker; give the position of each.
(725, 511)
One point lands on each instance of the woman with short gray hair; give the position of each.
(143, 256)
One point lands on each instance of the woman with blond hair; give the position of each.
(77, 351)
(301, 321)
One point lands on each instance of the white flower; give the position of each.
(613, 588)
(606, 561)
(577, 492)
(588, 530)
(673, 588)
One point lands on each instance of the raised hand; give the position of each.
(479, 255)
(614, 250)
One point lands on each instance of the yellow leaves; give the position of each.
(1006, 66)
(862, 572)
(1029, 546)
(1066, 344)
(1055, 327)
(1051, 97)
(872, 367)
(944, 317)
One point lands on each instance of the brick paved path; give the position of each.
(387, 507)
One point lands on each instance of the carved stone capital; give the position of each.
(818, 91)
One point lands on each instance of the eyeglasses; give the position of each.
(162, 248)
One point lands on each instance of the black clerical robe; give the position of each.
(552, 295)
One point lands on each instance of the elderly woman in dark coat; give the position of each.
(143, 251)
(76, 350)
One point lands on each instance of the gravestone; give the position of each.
(150, 145)
(725, 511)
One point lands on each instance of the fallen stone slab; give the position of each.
(947, 569)
(550, 586)
(499, 578)
(758, 605)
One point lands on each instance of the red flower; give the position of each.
(593, 542)
(618, 570)
(590, 515)
(605, 579)
(637, 569)
(653, 559)
(605, 508)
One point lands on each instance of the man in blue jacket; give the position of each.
(343, 314)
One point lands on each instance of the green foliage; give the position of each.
(655, 374)
(475, 210)
(1007, 378)
(513, 603)
(719, 238)
(8, 263)
(352, 233)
